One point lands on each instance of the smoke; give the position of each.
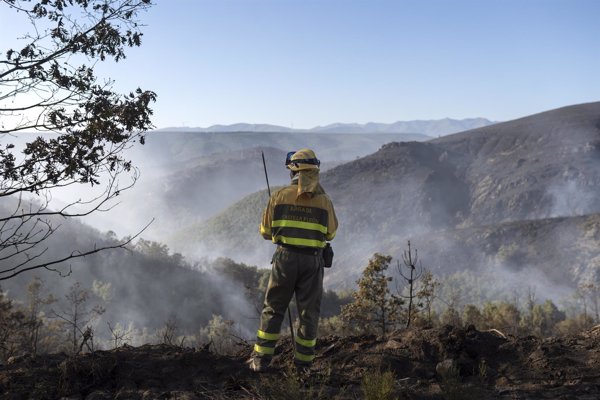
(571, 198)
(236, 303)
(187, 181)
(508, 283)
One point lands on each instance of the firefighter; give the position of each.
(300, 219)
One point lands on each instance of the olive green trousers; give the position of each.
(291, 273)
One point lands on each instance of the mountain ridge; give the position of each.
(433, 127)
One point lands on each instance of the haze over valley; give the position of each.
(186, 180)
(514, 197)
(514, 204)
(189, 176)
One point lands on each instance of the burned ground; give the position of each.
(439, 363)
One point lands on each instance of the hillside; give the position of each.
(545, 165)
(551, 254)
(187, 177)
(540, 166)
(146, 284)
(474, 183)
(429, 364)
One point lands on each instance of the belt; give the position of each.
(311, 251)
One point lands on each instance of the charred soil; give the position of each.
(438, 363)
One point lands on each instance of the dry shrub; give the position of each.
(378, 385)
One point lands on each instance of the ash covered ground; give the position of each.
(437, 363)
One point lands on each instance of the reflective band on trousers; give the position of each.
(264, 350)
(304, 357)
(267, 335)
(306, 342)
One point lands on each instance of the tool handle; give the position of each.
(266, 174)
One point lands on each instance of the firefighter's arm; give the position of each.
(332, 223)
(265, 224)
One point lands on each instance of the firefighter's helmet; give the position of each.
(302, 159)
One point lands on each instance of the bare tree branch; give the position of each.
(72, 256)
(84, 125)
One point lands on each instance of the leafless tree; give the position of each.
(119, 334)
(78, 316)
(168, 334)
(410, 261)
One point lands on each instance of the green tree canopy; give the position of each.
(374, 308)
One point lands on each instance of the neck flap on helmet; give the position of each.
(308, 181)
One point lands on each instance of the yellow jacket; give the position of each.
(300, 214)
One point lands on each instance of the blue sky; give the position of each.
(307, 63)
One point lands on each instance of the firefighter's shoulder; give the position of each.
(284, 192)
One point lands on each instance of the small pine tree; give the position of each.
(426, 294)
(502, 315)
(373, 307)
(34, 310)
(12, 328)
(545, 317)
(471, 315)
(221, 335)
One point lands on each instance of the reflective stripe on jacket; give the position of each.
(306, 220)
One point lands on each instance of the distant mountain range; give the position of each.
(437, 127)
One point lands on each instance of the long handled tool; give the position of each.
(269, 188)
